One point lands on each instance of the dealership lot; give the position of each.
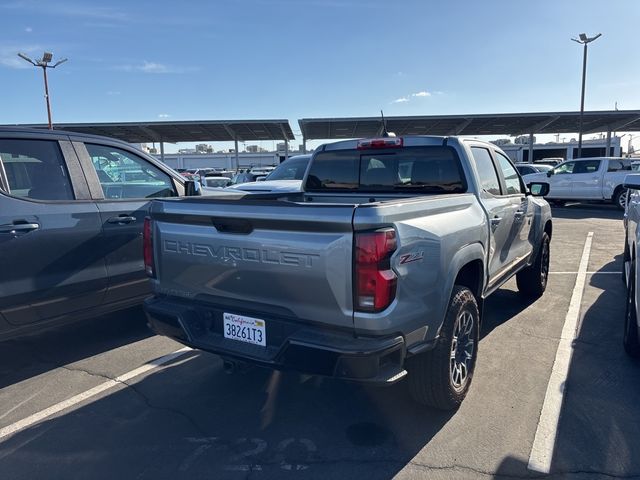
(188, 419)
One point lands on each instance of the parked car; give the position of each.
(529, 168)
(287, 177)
(630, 270)
(551, 161)
(216, 181)
(378, 269)
(72, 208)
(242, 177)
(595, 179)
(262, 171)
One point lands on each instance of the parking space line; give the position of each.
(545, 438)
(81, 397)
(588, 273)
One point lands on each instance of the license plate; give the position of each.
(245, 329)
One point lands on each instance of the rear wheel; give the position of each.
(441, 377)
(630, 340)
(620, 198)
(532, 281)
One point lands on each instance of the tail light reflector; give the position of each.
(375, 281)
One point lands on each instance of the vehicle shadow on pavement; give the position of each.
(581, 211)
(32, 355)
(194, 421)
(502, 306)
(600, 421)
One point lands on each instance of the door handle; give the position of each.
(19, 227)
(518, 214)
(122, 219)
(495, 221)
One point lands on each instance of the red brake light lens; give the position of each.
(375, 281)
(384, 142)
(147, 247)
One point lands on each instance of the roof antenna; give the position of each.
(383, 130)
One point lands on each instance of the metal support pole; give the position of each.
(286, 149)
(304, 144)
(162, 152)
(530, 159)
(46, 96)
(235, 142)
(584, 78)
(608, 154)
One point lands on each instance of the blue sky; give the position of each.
(157, 60)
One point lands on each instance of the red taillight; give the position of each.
(384, 142)
(375, 282)
(147, 247)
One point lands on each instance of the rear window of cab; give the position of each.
(433, 169)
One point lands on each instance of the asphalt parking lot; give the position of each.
(189, 419)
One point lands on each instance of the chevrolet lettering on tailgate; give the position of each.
(224, 253)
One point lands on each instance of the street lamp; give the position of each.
(584, 40)
(43, 63)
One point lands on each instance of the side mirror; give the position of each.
(632, 181)
(549, 173)
(539, 189)
(192, 188)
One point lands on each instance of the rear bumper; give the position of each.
(291, 345)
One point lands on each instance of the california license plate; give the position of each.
(245, 329)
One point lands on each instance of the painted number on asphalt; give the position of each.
(254, 447)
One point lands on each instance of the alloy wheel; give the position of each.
(462, 350)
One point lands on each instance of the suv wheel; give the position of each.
(630, 340)
(532, 281)
(441, 377)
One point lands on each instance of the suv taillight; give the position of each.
(147, 247)
(375, 282)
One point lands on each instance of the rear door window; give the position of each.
(619, 165)
(125, 175)
(487, 173)
(35, 169)
(415, 169)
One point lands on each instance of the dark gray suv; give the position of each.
(72, 208)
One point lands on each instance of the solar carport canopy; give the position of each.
(184, 131)
(483, 124)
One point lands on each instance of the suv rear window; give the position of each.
(410, 169)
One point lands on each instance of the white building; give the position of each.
(519, 152)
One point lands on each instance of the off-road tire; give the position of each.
(430, 373)
(532, 281)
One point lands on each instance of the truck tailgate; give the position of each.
(236, 256)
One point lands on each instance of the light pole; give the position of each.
(584, 40)
(44, 64)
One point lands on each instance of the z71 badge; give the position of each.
(411, 257)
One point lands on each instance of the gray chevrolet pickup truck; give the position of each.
(377, 270)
